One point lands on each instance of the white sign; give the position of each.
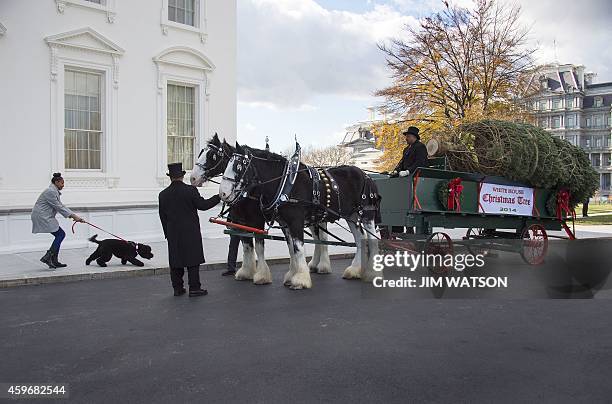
(505, 200)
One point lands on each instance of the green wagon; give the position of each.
(420, 202)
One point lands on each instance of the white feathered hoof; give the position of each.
(323, 269)
(243, 275)
(262, 278)
(312, 267)
(352, 272)
(301, 280)
(287, 278)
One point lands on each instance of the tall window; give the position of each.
(597, 121)
(543, 105)
(82, 120)
(570, 121)
(605, 181)
(182, 11)
(181, 124)
(556, 103)
(556, 122)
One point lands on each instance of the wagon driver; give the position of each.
(413, 156)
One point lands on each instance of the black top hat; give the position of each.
(175, 170)
(412, 130)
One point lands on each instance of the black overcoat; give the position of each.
(178, 211)
(413, 156)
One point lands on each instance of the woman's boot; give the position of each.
(47, 259)
(55, 262)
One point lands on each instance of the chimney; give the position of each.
(588, 78)
(371, 113)
(580, 74)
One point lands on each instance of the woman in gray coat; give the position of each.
(47, 206)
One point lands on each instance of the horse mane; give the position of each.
(266, 154)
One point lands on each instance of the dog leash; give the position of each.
(99, 228)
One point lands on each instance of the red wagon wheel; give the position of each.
(534, 244)
(476, 234)
(440, 244)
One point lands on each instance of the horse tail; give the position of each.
(93, 239)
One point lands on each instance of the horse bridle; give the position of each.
(241, 168)
(219, 153)
(242, 164)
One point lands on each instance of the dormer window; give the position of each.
(598, 102)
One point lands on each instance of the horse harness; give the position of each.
(323, 187)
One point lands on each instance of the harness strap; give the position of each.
(290, 174)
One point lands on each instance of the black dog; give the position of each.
(126, 250)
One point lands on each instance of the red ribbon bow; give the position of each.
(454, 192)
(563, 209)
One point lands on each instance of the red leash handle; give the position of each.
(99, 228)
(238, 226)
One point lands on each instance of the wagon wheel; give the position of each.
(439, 243)
(476, 233)
(534, 244)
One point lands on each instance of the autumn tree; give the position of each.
(328, 156)
(459, 65)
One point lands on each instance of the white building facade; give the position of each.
(108, 92)
(361, 143)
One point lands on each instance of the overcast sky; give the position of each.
(309, 67)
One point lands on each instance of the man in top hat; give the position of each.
(414, 155)
(178, 211)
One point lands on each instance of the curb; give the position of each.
(132, 273)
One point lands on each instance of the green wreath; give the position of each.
(443, 193)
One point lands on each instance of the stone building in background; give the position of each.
(360, 141)
(573, 107)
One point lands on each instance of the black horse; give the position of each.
(211, 163)
(296, 195)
